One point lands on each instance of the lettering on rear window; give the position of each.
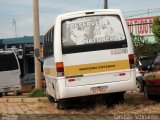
(95, 29)
(92, 33)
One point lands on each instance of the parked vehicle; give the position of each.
(139, 82)
(9, 73)
(152, 79)
(143, 62)
(28, 83)
(88, 53)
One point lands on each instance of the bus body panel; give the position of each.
(86, 71)
(85, 90)
(95, 67)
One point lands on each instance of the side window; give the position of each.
(48, 43)
(52, 43)
(8, 61)
(156, 64)
(45, 46)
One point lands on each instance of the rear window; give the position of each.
(92, 33)
(8, 62)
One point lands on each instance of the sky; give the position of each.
(19, 13)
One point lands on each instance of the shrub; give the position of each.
(36, 93)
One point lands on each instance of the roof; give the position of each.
(25, 39)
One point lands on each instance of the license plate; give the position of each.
(96, 90)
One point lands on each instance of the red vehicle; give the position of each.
(152, 79)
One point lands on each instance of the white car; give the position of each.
(9, 73)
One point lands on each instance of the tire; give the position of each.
(59, 105)
(50, 98)
(114, 98)
(1, 94)
(139, 87)
(146, 95)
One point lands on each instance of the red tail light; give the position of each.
(60, 69)
(131, 60)
(122, 74)
(141, 72)
(71, 80)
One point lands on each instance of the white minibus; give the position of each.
(88, 53)
(9, 73)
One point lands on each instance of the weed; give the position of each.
(36, 93)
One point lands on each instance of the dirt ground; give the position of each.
(134, 104)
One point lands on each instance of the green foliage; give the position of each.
(143, 47)
(36, 93)
(156, 28)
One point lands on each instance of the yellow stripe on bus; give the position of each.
(96, 67)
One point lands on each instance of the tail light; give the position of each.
(60, 69)
(71, 80)
(141, 72)
(131, 61)
(122, 74)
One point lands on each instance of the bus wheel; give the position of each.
(1, 94)
(50, 98)
(146, 95)
(59, 105)
(114, 98)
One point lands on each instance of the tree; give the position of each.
(141, 45)
(156, 29)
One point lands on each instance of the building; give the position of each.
(142, 26)
(24, 48)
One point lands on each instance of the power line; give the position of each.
(66, 4)
(140, 10)
(142, 14)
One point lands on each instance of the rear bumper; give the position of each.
(10, 88)
(79, 91)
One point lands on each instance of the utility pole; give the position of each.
(15, 27)
(105, 4)
(37, 64)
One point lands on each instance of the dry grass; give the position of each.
(134, 104)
